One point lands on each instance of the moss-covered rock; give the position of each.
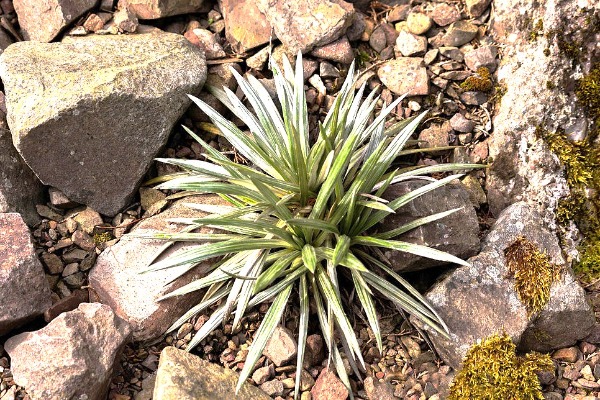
(492, 370)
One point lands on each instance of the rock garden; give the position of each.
(312, 199)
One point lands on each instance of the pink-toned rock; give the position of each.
(305, 24)
(116, 279)
(476, 7)
(444, 14)
(125, 20)
(338, 51)
(43, 20)
(245, 26)
(405, 75)
(206, 40)
(378, 390)
(73, 357)
(24, 290)
(154, 9)
(282, 346)
(329, 387)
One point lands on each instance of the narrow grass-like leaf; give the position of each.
(302, 330)
(309, 257)
(199, 308)
(211, 250)
(411, 248)
(333, 300)
(365, 297)
(414, 224)
(341, 249)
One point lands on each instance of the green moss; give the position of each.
(537, 30)
(588, 94)
(491, 370)
(582, 163)
(102, 237)
(533, 273)
(482, 82)
(550, 85)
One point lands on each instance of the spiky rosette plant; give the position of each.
(300, 215)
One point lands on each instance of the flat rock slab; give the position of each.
(20, 189)
(245, 26)
(89, 114)
(184, 376)
(43, 20)
(305, 24)
(479, 301)
(154, 9)
(73, 357)
(405, 75)
(117, 280)
(24, 290)
(457, 234)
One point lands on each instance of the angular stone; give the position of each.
(24, 290)
(418, 23)
(154, 9)
(88, 342)
(405, 75)
(444, 14)
(281, 347)
(116, 279)
(329, 386)
(484, 56)
(125, 20)
(378, 39)
(20, 189)
(378, 390)
(78, 128)
(305, 24)
(339, 51)
(59, 200)
(459, 123)
(245, 26)
(480, 300)
(206, 40)
(476, 7)
(435, 136)
(261, 375)
(273, 387)
(456, 234)
(184, 376)
(42, 21)
(86, 218)
(459, 33)
(69, 303)
(411, 45)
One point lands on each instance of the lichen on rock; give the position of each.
(492, 370)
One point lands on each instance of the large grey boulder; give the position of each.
(42, 20)
(184, 376)
(457, 234)
(481, 300)
(24, 290)
(88, 115)
(305, 24)
(73, 357)
(539, 77)
(116, 279)
(20, 189)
